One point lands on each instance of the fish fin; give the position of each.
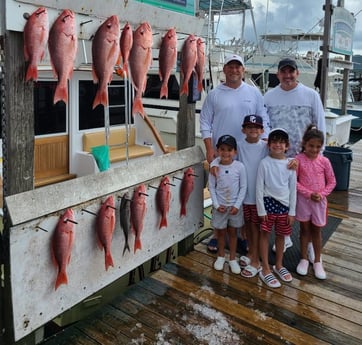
(185, 88)
(164, 90)
(31, 73)
(61, 94)
(138, 107)
(126, 247)
(61, 279)
(163, 223)
(94, 76)
(137, 244)
(183, 210)
(100, 98)
(119, 71)
(108, 260)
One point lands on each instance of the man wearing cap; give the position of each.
(225, 106)
(294, 107)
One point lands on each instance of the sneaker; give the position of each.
(310, 253)
(234, 266)
(302, 268)
(219, 263)
(287, 244)
(319, 271)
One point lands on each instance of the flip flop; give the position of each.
(244, 261)
(212, 246)
(270, 280)
(283, 273)
(250, 271)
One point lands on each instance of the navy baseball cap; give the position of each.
(253, 120)
(227, 140)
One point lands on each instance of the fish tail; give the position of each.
(61, 94)
(183, 210)
(185, 88)
(125, 69)
(31, 73)
(163, 223)
(138, 107)
(120, 72)
(137, 244)
(126, 247)
(108, 260)
(101, 98)
(61, 279)
(199, 85)
(164, 90)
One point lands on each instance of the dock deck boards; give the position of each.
(188, 302)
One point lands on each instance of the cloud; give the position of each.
(281, 16)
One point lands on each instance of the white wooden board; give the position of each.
(34, 299)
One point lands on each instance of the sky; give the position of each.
(281, 16)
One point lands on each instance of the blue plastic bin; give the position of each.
(341, 159)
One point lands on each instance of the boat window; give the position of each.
(153, 87)
(48, 118)
(94, 118)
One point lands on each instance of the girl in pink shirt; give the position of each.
(315, 181)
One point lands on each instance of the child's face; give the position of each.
(312, 148)
(226, 153)
(278, 148)
(252, 132)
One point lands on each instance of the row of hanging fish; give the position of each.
(132, 214)
(110, 47)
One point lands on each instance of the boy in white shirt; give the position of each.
(227, 191)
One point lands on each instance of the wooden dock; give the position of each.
(188, 302)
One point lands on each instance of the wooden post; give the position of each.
(18, 149)
(185, 137)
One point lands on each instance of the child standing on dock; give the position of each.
(275, 201)
(227, 191)
(315, 181)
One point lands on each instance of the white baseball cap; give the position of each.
(234, 57)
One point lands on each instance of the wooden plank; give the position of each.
(228, 306)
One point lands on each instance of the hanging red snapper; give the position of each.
(140, 61)
(188, 62)
(187, 186)
(200, 63)
(106, 221)
(138, 212)
(167, 59)
(163, 199)
(62, 244)
(63, 45)
(126, 43)
(36, 32)
(105, 52)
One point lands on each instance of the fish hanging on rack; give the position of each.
(63, 46)
(187, 186)
(105, 53)
(200, 63)
(167, 59)
(138, 212)
(105, 225)
(140, 60)
(36, 33)
(126, 42)
(125, 219)
(163, 199)
(62, 244)
(188, 62)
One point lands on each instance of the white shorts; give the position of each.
(223, 220)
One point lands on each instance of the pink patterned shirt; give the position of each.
(314, 176)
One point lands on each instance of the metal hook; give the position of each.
(38, 227)
(90, 212)
(70, 220)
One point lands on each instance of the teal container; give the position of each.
(341, 159)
